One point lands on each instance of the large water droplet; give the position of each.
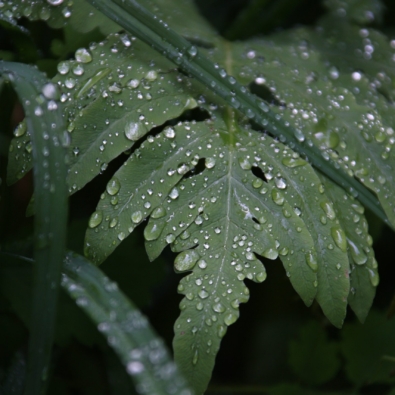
(328, 209)
(159, 212)
(277, 197)
(186, 260)
(339, 237)
(134, 130)
(83, 55)
(358, 256)
(152, 231)
(374, 277)
(293, 162)
(270, 253)
(96, 219)
(218, 308)
(312, 261)
(113, 186)
(136, 217)
(230, 318)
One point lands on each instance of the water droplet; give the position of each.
(136, 217)
(261, 277)
(20, 130)
(152, 231)
(339, 237)
(134, 367)
(113, 186)
(209, 163)
(152, 75)
(221, 331)
(270, 253)
(203, 294)
(134, 130)
(312, 261)
(83, 55)
(358, 256)
(192, 51)
(55, 2)
(277, 197)
(293, 162)
(113, 222)
(230, 319)
(159, 212)
(170, 238)
(195, 357)
(121, 236)
(50, 91)
(186, 260)
(245, 164)
(63, 68)
(202, 263)
(280, 183)
(328, 209)
(169, 133)
(174, 193)
(218, 308)
(133, 84)
(95, 219)
(374, 277)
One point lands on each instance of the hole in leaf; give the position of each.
(255, 220)
(198, 169)
(264, 93)
(257, 172)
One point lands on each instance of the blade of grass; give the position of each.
(141, 23)
(127, 331)
(45, 124)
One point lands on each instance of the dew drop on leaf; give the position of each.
(159, 212)
(311, 260)
(152, 231)
(134, 130)
(357, 254)
(136, 217)
(83, 55)
(328, 209)
(186, 260)
(95, 219)
(113, 186)
(339, 237)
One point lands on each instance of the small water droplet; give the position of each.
(159, 212)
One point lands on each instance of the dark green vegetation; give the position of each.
(268, 159)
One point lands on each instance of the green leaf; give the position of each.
(110, 105)
(366, 349)
(312, 357)
(127, 331)
(363, 269)
(39, 98)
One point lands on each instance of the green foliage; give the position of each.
(226, 188)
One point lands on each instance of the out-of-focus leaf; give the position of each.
(312, 357)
